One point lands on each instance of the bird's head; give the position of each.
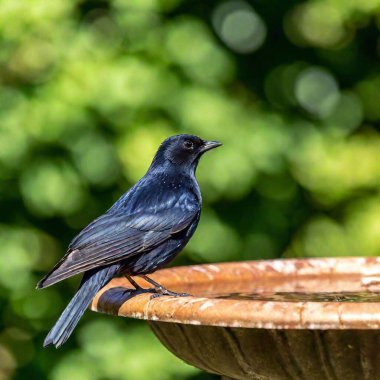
(183, 150)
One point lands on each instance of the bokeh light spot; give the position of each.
(239, 26)
(7, 363)
(317, 91)
(317, 23)
(52, 188)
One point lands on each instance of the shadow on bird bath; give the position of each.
(111, 300)
(313, 319)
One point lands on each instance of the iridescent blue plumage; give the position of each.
(142, 232)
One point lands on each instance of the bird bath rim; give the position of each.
(336, 274)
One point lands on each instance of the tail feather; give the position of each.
(92, 282)
(54, 276)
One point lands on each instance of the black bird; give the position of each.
(142, 232)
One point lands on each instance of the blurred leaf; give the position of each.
(89, 89)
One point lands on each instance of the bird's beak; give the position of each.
(208, 145)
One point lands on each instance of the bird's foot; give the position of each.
(161, 291)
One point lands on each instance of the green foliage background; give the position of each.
(88, 89)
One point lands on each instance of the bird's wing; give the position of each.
(116, 236)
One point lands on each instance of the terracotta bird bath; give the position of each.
(312, 319)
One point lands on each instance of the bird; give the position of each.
(142, 232)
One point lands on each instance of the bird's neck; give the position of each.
(167, 168)
(173, 176)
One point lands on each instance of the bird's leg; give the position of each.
(161, 290)
(139, 289)
(133, 282)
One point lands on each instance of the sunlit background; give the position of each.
(88, 89)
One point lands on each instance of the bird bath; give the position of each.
(310, 319)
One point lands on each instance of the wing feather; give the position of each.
(115, 236)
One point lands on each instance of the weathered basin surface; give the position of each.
(314, 319)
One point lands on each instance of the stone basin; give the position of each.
(296, 319)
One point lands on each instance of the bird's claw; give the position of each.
(164, 292)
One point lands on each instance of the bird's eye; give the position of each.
(188, 145)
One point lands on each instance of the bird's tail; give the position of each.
(91, 283)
